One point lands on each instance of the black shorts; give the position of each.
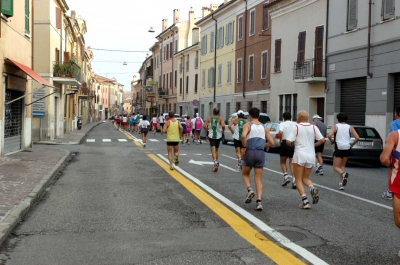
(286, 150)
(193, 131)
(172, 143)
(144, 130)
(342, 153)
(237, 143)
(319, 148)
(215, 142)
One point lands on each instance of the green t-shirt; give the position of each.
(241, 123)
(214, 124)
(137, 119)
(129, 120)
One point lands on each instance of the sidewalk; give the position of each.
(25, 175)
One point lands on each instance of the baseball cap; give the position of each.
(234, 115)
(316, 116)
(240, 112)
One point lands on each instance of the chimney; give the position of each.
(164, 24)
(195, 35)
(191, 25)
(73, 13)
(214, 7)
(176, 16)
(226, 1)
(206, 11)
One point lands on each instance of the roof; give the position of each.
(219, 9)
(188, 48)
(103, 79)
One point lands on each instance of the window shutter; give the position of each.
(27, 16)
(265, 18)
(212, 40)
(171, 50)
(352, 15)
(240, 28)
(301, 47)
(58, 17)
(66, 56)
(278, 44)
(7, 8)
(388, 9)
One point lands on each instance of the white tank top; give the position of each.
(342, 136)
(154, 120)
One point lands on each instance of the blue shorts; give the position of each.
(183, 127)
(133, 123)
(254, 158)
(198, 131)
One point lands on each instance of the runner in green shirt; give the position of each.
(216, 127)
(237, 124)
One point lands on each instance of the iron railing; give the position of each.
(309, 69)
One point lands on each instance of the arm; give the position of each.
(245, 132)
(231, 124)
(180, 129)
(269, 138)
(355, 134)
(319, 137)
(331, 133)
(387, 151)
(221, 121)
(165, 128)
(205, 125)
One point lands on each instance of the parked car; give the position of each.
(274, 131)
(368, 148)
(228, 136)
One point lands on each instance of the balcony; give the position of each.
(309, 71)
(68, 73)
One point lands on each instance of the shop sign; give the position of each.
(151, 95)
(152, 82)
(16, 83)
(38, 107)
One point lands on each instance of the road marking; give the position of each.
(165, 139)
(107, 140)
(330, 189)
(122, 140)
(153, 140)
(202, 163)
(197, 154)
(90, 140)
(276, 253)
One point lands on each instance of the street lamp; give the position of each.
(151, 29)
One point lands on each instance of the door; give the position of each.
(353, 100)
(13, 122)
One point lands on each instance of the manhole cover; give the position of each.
(291, 234)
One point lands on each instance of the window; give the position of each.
(265, 18)
(387, 9)
(196, 60)
(352, 14)
(181, 65)
(58, 18)
(229, 73)
(176, 46)
(171, 51)
(196, 81)
(202, 110)
(239, 70)
(219, 106)
(7, 8)
(187, 84)
(237, 106)
(211, 77)
(252, 22)
(219, 74)
(264, 65)
(166, 85)
(318, 50)
(170, 79)
(212, 41)
(264, 106)
(249, 105)
(187, 63)
(301, 47)
(27, 24)
(176, 78)
(167, 52)
(278, 55)
(203, 79)
(251, 68)
(180, 85)
(164, 53)
(204, 44)
(170, 109)
(229, 33)
(220, 37)
(228, 110)
(163, 81)
(240, 28)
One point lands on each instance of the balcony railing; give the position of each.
(67, 70)
(310, 70)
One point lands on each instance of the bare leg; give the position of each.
(258, 182)
(282, 161)
(238, 154)
(291, 168)
(214, 153)
(169, 148)
(337, 166)
(176, 150)
(298, 171)
(246, 176)
(319, 159)
(396, 210)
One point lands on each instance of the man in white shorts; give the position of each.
(303, 136)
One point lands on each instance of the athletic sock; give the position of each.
(311, 187)
(318, 165)
(258, 200)
(249, 188)
(304, 199)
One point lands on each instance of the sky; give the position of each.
(123, 25)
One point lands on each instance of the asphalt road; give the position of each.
(118, 203)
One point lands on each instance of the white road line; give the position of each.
(122, 140)
(264, 227)
(90, 140)
(330, 189)
(107, 140)
(153, 140)
(165, 139)
(197, 154)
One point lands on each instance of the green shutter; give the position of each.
(27, 28)
(7, 8)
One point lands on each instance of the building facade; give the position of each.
(363, 68)
(298, 76)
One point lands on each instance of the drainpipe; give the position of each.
(173, 45)
(215, 55)
(33, 32)
(183, 77)
(244, 50)
(326, 44)
(369, 39)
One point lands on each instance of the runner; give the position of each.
(161, 119)
(154, 122)
(133, 122)
(138, 116)
(286, 151)
(117, 121)
(303, 136)
(319, 149)
(144, 129)
(128, 122)
(198, 124)
(341, 134)
(188, 129)
(173, 129)
(390, 158)
(394, 126)
(238, 121)
(215, 132)
(183, 124)
(253, 139)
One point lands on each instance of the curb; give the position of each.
(15, 216)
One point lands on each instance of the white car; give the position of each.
(228, 137)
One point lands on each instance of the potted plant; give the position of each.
(62, 70)
(56, 69)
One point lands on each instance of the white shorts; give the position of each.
(304, 159)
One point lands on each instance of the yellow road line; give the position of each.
(276, 253)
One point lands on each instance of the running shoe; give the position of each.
(176, 161)
(215, 168)
(258, 206)
(183, 145)
(250, 195)
(144, 144)
(304, 206)
(346, 175)
(171, 167)
(341, 186)
(318, 169)
(197, 142)
(321, 172)
(387, 195)
(314, 195)
(294, 185)
(286, 180)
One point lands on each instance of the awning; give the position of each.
(31, 73)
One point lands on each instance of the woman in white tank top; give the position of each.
(340, 136)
